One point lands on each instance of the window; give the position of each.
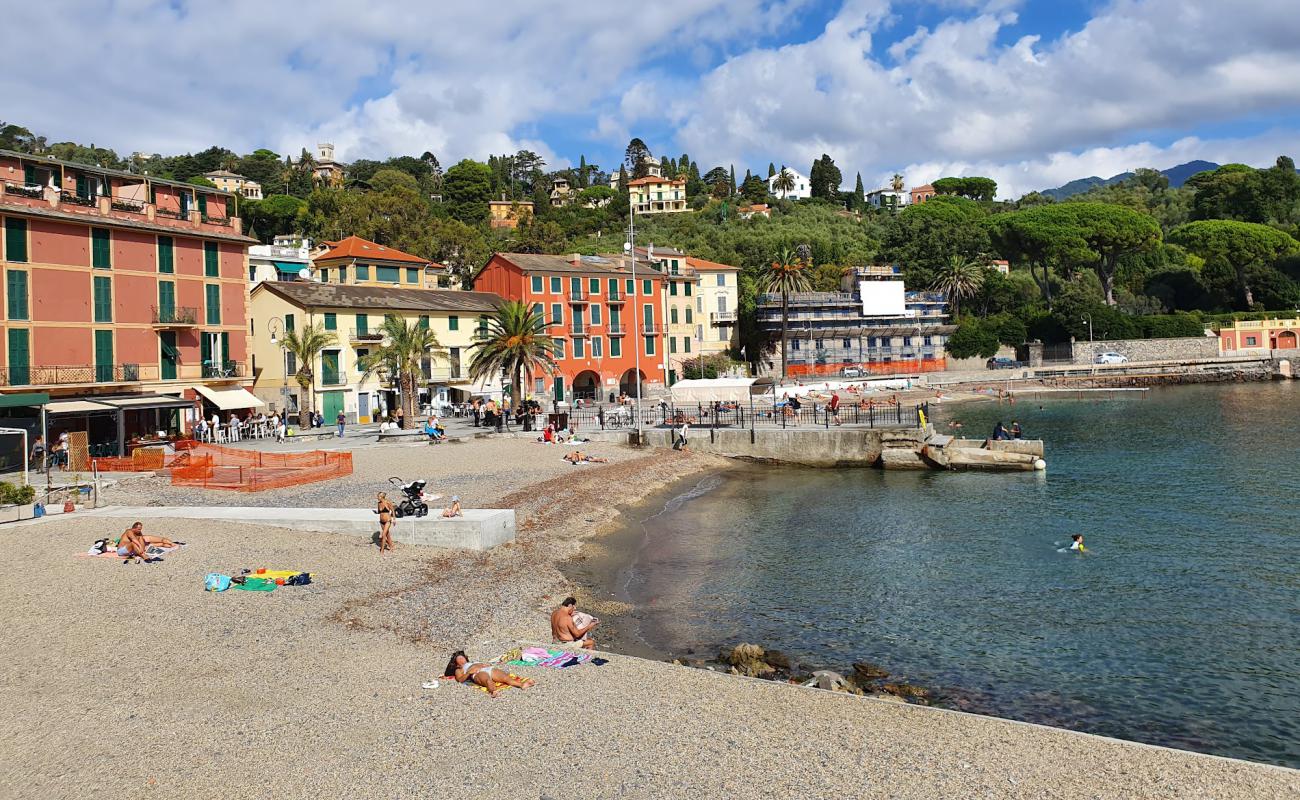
(927, 341)
(686, 344)
(557, 315)
(597, 347)
(847, 344)
(166, 301)
(722, 303)
(595, 314)
(453, 359)
(689, 318)
(1251, 341)
(794, 345)
(482, 325)
(212, 293)
(613, 286)
(537, 284)
(539, 310)
(722, 279)
(907, 341)
(101, 248)
(211, 266)
(412, 274)
(649, 345)
(556, 286)
(16, 293)
(539, 385)
(594, 285)
(821, 345)
(288, 323)
(103, 290)
(578, 349)
(362, 354)
(630, 286)
(688, 288)
(331, 321)
(324, 276)
(424, 322)
(103, 356)
(363, 324)
(672, 315)
(615, 348)
(647, 287)
(15, 240)
(672, 344)
(166, 255)
(559, 348)
(19, 357)
(343, 274)
(363, 272)
(388, 275)
(648, 316)
(672, 289)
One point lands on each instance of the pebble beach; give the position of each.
(130, 681)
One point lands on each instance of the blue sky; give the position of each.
(1030, 92)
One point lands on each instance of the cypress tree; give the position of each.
(771, 169)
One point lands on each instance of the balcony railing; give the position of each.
(76, 199)
(127, 204)
(616, 329)
(171, 213)
(175, 315)
(335, 378)
(207, 220)
(226, 369)
(34, 191)
(616, 296)
(365, 335)
(651, 329)
(577, 330)
(724, 317)
(65, 375)
(579, 297)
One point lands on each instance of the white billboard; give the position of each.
(882, 298)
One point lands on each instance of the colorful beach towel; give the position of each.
(552, 659)
(154, 550)
(499, 686)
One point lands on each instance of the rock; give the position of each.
(829, 680)
(905, 690)
(866, 671)
(777, 659)
(747, 659)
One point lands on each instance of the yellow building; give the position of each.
(1259, 336)
(699, 306)
(717, 302)
(656, 195)
(508, 213)
(354, 314)
(359, 262)
(228, 181)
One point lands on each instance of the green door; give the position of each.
(19, 357)
(103, 356)
(329, 368)
(170, 355)
(559, 388)
(331, 403)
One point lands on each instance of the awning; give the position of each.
(229, 399)
(20, 399)
(289, 266)
(726, 390)
(469, 388)
(76, 407)
(149, 401)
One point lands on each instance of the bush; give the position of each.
(14, 495)
(973, 337)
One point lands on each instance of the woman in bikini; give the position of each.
(384, 507)
(464, 671)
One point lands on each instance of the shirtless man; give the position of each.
(563, 628)
(132, 544)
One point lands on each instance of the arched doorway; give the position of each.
(627, 383)
(586, 385)
(1286, 340)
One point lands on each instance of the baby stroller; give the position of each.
(413, 505)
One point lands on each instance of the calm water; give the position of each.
(1181, 626)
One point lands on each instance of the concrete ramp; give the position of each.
(478, 529)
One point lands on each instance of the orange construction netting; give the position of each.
(214, 467)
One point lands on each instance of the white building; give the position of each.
(801, 190)
(281, 260)
(886, 198)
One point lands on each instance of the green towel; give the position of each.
(255, 585)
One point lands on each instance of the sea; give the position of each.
(1179, 625)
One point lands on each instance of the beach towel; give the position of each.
(255, 585)
(499, 686)
(153, 550)
(272, 574)
(554, 659)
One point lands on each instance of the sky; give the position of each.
(1033, 93)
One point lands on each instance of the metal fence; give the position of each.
(735, 415)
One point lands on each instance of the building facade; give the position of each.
(1259, 336)
(801, 190)
(125, 298)
(717, 303)
(354, 315)
(282, 260)
(603, 318)
(656, 195)
(326, 170)
(509, 213)
(919, 194)
(699, 306)
(227, 181)
(873, 324)
(886, 199)
(359, 262)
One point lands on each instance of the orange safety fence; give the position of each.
(214, 467)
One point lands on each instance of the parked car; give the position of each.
(1001, 362)
(1110, 357)
(851, 372)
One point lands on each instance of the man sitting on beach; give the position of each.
(564, 629)
(133, 545)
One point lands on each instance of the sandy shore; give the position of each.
(130, 681)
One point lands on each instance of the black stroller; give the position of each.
(413, 505)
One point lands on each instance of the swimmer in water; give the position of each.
(1077, 544)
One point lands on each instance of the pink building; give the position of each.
(125, 300)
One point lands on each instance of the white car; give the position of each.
(851, 372)
(1110, 358)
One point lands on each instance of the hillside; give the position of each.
(1177, 176)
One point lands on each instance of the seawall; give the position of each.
(811, 447)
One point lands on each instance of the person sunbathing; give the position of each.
(161, 541)
(464, 671)
(133, 545)
(453, 510)
(579, 457)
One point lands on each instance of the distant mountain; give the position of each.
(1177, 177)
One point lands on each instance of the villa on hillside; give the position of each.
(228, 181)
(919, 194)
(800, 190)
(505, 213)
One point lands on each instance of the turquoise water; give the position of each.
(1180, 626)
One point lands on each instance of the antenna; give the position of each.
(304, 274)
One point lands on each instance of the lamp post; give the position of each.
(275, 325)
(630, 247)
(1088, 319)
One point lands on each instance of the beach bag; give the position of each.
(216, 582)
(301, 579)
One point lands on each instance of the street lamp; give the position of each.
(275, 325)
(1088, 319)
(630, 248)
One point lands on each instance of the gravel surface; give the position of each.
(130, 681)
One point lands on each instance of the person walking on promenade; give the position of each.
(281, 428)
(401, 419)
(834, 408)
(340, 420)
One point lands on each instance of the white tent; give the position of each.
(723, 390)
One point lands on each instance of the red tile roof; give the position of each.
(356, 247)
(699, 263)
(652, 179)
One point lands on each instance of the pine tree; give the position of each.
(771, 169)
(859, 195)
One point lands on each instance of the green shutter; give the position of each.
(688, 289)
(16, 293)
(226, 362)
(672, 288)
(363, 324)
(686, 344)
(388, 274)
(83, 186)
(331, 322)
(615, 347)
(103, 356)
(103, 299)
(203, 205)
(29, 175)
(205, 352)
(363, 272)
(211, 266)
(101, 248)
(594, 283)
(343, 274)
(166, 255)
(15, 240)
(329, 368)
(288, 323)
(412, 275)
(453, 323)
(672, 344)
(647, 287)
(424, 322)
(213, 293)
(166, 301)
(170, 354)
(19, 357)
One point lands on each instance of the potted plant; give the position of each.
(14, 499)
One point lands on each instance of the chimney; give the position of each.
(575, 258)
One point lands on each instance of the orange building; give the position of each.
(919, 194)
(125, 300)
(603, 319)
(1260, 336)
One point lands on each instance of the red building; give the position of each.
(603, 319)
(125, 300)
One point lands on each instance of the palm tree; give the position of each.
(896, 182)
(401, 355)
(784, 181)
(785, 275)
(306, 346)
(959, 278)
(514, 342)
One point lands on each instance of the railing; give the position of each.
(336, 379)
(167, 212)
(66, 196)
(616, 296)
(579, 297)
(616, 329)
(33, 191)
(127, 204)
(720, 317)
(226, 369)
(759, 413)
(175, 315)
(577, 330)
(215, 220)
(62, 375)
(651, 329)
(359, 335)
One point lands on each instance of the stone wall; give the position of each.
(1180, 349)
(811, 447)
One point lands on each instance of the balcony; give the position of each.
(70, 375)
(33, 191)
(579, 298)
(616, 329)
(126, 204)
(170, 213)
(207, 220)
(365, 335)
(77, 199)
(616, 296)
(172, 317)
(577, 330)
(651, 329)
(723, 318)
(226, 369)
